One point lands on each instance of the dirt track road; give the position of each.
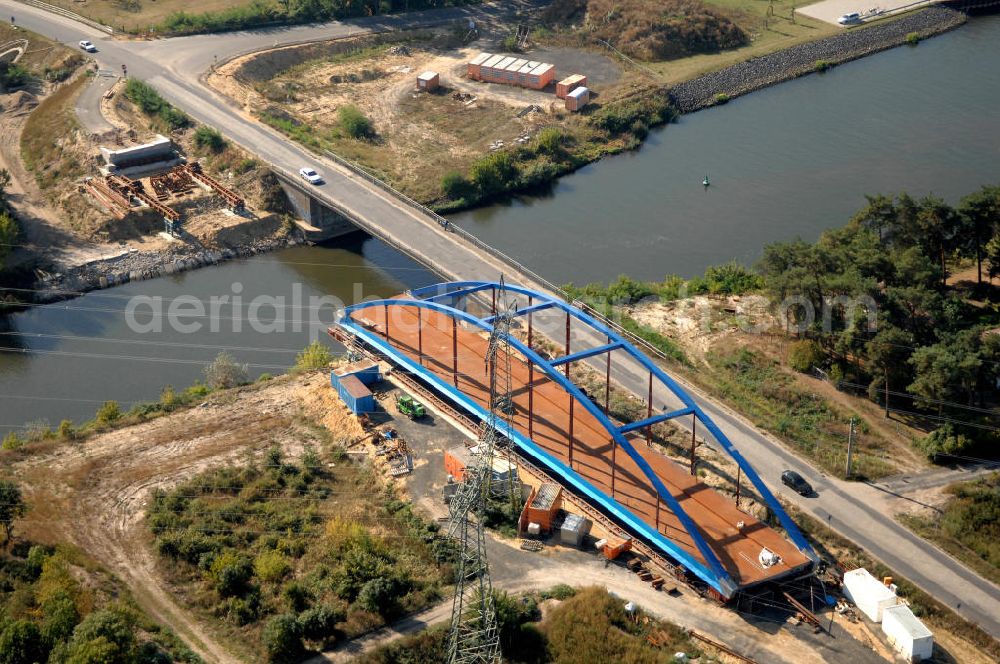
(94, 494)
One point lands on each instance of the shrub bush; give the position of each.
(539, 173)
(12, 441)
(913, 38)
(60, 616)
(21, 642)
(510, 43)
(379, 596)
(805, 354)
(66, 430)
(283, 639)
(313, 356)
(457, 187)
(108, 412)
(319, 622)
(151, 103)
(271, 567)
(943, 440)
(550, 141)
(107, 634)
(728, 279)
(495, 173)
(231, 573)
(224, 372)
(619, 117)
(823, 65)
(10, 232)
(13, 76)
(210, 139)
(354, 123)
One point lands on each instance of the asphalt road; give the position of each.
(174, 67)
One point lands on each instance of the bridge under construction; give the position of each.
(439, 335)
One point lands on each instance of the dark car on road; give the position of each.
(796, 482)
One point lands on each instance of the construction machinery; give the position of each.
(410, 407)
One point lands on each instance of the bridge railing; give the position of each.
(518, 267)
(69, 14)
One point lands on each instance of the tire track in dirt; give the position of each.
(95, 493)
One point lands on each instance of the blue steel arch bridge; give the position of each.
(439, 335)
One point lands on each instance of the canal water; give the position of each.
(791, 160)
(788, 161)
(73, 355)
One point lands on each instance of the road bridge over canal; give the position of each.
(440, 336)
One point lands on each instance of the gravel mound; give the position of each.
(799, 60)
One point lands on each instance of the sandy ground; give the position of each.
(831, 10)
(94, 493)
(40, 222)
(700, 323)
(419, 136)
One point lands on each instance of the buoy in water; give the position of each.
(705, 181)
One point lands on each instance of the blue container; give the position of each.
(367, 372)
(354, 393)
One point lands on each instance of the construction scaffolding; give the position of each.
(235, 202)
(118, 194)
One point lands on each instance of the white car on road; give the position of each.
(849, 19)
(310, 175)
(88, 46)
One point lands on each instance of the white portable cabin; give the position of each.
(907, 634)
(869, 594)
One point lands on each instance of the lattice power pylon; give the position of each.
(474, 635)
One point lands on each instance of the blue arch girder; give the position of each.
(712, 572)
(542, 298)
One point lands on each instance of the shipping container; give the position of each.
(458, 458)
(570, 83)
(475, 65)
(543, 505)
(522, 73)
(577, 99)
(907, 634)
(455, 461)
(428, 81)
(366, 371)
(357, 397)
(541, 76)
(868, 593)
(510, 70)
(574, 529)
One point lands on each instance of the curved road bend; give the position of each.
(174, 67)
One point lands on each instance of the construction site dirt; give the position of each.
(760, 637)
(95, 492)
(581, 442)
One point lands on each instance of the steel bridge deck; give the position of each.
(429, 338)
